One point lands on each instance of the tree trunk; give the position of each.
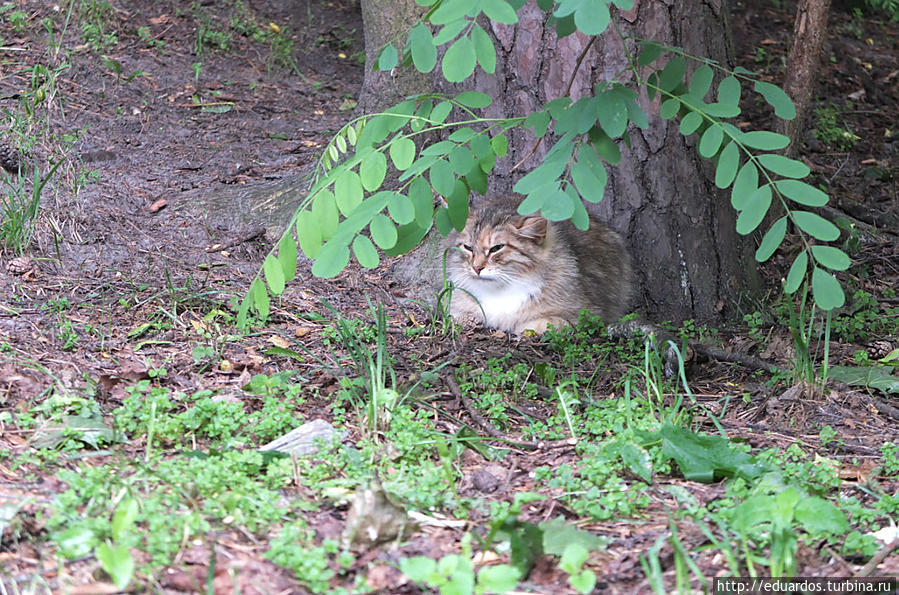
(809, 33)
(688, 260)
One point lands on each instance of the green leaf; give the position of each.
(649, 53)
(771, 240)
(816, 226)
(498, 578)
(474, 99)
(534, 201)
(729, 91)
(325, 214)
(408, 237)
(776, 98)
(817, 516)
(274, 274)
(703, 457)
(673, 73)
(442, 178)
(828, 293)
(400, 208)
(580, 218)
(441, 111)
(123, 518)
(605, 146)
(116, 562)
(590, 181)
(500, 145)
(592, 18)
(372, 170)
(383, 231)
(365, 252)
(802, 193)
(670, 108)
(457, 205)
(459, 61)
(449, 31)
(483, 48)
(754, 210)
(745, 184)
(765, 140)
(538, 121)
(831, 257)
(421, 44)
(701, 81)
(690, 123)
(711, 141)
(331, 259)
(797, 273)
(612, 112)
(387, 59)
(558, 535)
(877, 377)
(402, 153)
(728, 163)
(423, 201)
(557, 206)
(260, 298)
(451, 11)
(499, 11)
(308, 233)
(287, 256)
(442, 221)
(348, 192)
(573, 558)
(721, 110)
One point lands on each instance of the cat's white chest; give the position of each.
(500, 300)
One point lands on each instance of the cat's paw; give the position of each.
(538, 326)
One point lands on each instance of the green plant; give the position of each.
(829, 130)
(293, 548)
(17, 20)
(19, 206)
(147, 38)
(96, 17)
(889, 7)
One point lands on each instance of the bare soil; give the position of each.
(141, 239)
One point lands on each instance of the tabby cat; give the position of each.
(522, 272)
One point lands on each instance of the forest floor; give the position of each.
(131, 407)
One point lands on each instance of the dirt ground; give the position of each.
(138, 238)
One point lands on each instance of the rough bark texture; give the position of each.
(809, 33)
(688, 260)
(386, 21)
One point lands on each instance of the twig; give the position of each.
(490, 429)
(879, 557)
(885, 408)
(733, 357)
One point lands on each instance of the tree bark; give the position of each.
(809, 33)
(689, 262)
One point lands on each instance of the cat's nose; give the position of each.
(478, 266)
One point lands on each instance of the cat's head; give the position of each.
(499, 247)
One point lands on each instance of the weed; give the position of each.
(829, 129)
(17, 20)
(147, 38)
(293, 548)
(863, 320)
(96, 17)
(890, 462)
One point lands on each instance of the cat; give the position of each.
(523, 272)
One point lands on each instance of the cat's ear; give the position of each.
(532, 228)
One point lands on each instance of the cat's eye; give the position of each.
(467, 247)
(495, 248)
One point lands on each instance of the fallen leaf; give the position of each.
(157, 206)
